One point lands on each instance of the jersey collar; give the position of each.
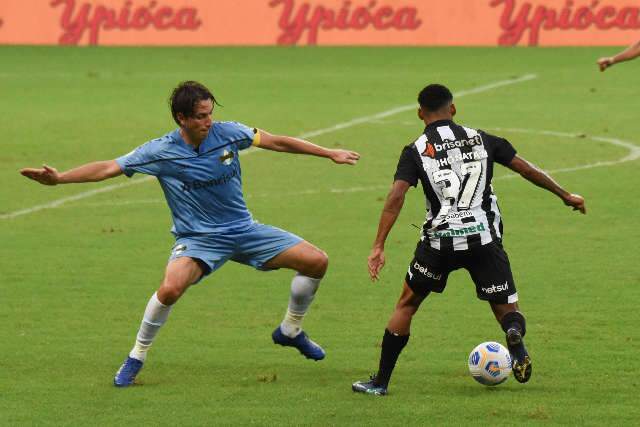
(438, 123)
(204, 145)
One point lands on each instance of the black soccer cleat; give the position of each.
(369, 387)
(521, 365)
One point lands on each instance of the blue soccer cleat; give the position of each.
(127, 372)
(305, 346)
(521, 366)
(369, 387)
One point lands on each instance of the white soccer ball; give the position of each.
(490, 363)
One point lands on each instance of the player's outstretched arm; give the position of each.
(289, 144)
(91, 172)
(390, 212)
(534, 174)
(631, 52)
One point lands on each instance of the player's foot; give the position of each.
(369, 387)
(127, 372)
(305, 346)
(521, 365)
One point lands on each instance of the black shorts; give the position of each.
(488, 266)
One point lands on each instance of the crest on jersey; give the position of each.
(178, 249)
(430, 151)
(227, 157)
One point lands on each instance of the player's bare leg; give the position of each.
(514, 325)
(179, 275)
(311, 264)
(396, 336)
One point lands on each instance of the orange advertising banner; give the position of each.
(320, 22)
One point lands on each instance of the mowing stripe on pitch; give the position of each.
(339, 126)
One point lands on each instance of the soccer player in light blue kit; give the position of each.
(198, 168)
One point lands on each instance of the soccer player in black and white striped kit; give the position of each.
(463, 227)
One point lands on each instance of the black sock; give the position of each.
(392, 345)
(516, 320)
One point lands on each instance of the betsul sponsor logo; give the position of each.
(496, 288)
(81, 17)
(298, 18)
(425, 271)
(519, 17)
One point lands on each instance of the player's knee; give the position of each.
(322, 262)
(409, 303)
(316, 265)
(407, 308)
(170, 291)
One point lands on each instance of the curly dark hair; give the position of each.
(434, 97)
(185, 97)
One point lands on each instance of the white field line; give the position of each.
(634, 150)
(339, 126)
(634, 154)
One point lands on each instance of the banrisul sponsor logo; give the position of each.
(221, 180)
(496, 288)
(459, 143)
(459, 232)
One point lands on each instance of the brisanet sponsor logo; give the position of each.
(459, 232)
(450, 145)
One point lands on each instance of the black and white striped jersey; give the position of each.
(455, 165)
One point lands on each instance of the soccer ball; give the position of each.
(490, 363)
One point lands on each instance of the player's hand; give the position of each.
(605, 63)
(576, 201)
(344, 157)
(376, 262)
(46, 175)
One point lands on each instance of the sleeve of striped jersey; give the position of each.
(503, 151)
(143, 159)
(407, 169)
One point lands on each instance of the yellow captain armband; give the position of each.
(256, 137)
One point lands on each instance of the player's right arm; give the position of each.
(91, 172)
(631, 52)
(537, 176)
(390, 212)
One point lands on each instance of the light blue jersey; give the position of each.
(203, 186)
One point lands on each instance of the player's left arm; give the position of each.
(288, 144)
(537, 176)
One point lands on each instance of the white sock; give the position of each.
(303, 289)
(155, 315)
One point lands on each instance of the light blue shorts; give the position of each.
(254, 246)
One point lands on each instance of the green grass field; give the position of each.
(75, 278)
